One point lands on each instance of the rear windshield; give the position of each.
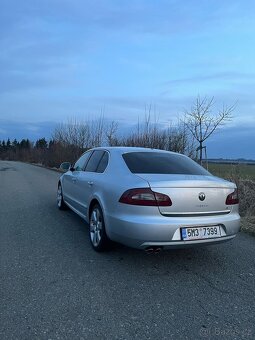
(162, 163)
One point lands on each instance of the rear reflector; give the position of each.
(145, 197)
(232, 198)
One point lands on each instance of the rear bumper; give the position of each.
(145, 231)
(185, 244)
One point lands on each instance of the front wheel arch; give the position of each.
(60, 199)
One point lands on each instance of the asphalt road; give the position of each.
(54, 286)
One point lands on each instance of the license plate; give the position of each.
(198, 233)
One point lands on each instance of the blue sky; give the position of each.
(66, 58)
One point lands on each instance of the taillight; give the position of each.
(232, 198)
(145, 197)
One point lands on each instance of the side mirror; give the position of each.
(65, 166)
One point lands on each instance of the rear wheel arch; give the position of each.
(91, 205)
(95, 201)
(96, 227)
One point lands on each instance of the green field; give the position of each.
(244, 177)
(242, 171)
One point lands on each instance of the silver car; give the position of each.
(148, 199)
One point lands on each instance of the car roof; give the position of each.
(127, 149)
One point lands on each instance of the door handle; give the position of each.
(90, 183)
(74, 180)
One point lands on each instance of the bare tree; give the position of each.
(152, 134)
(201, 122)
(110, 134)
(97, 127)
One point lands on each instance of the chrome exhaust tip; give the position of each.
(149, 250)
(154, 250)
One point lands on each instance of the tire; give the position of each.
(97, 234)
(60, 201)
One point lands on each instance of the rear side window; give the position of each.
(162, 163)
(103, 163)
(94, 161)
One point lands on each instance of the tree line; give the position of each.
(25, 150)
(69, 140)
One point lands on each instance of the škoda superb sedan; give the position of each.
(148, 199)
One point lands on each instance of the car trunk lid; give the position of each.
(191, 195)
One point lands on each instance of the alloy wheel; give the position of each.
(96, 223)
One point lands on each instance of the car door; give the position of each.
(86, 182)
(70, 180)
